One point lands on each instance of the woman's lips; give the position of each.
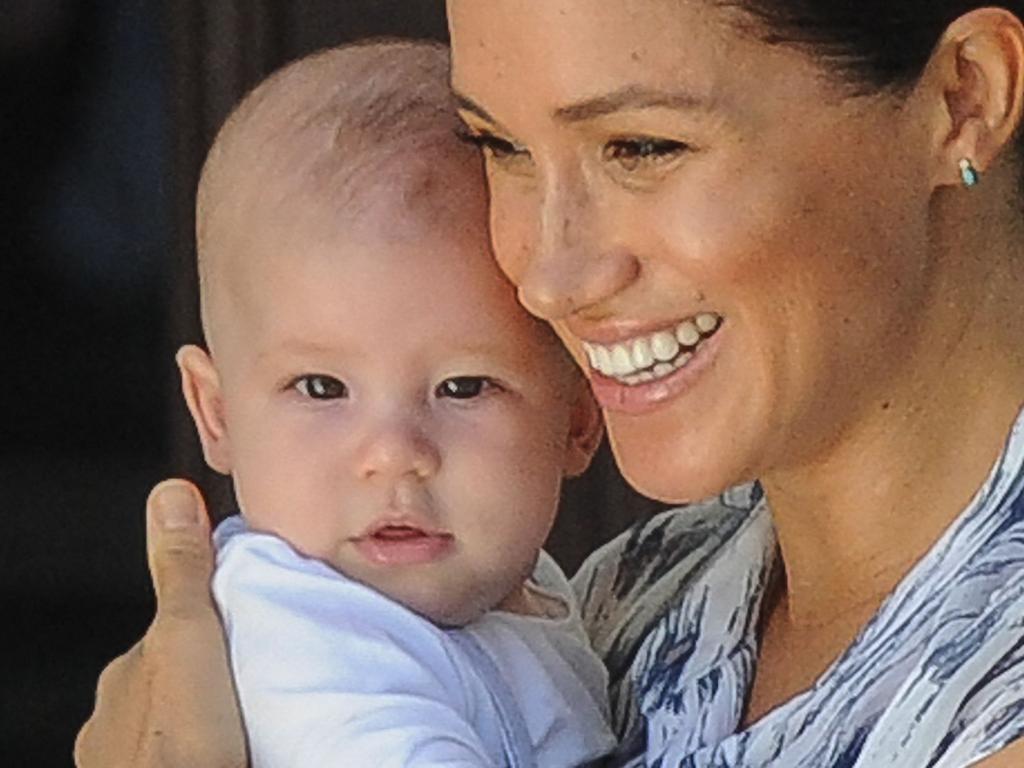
(635, 399)
(401, 544)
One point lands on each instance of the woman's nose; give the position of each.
(574, 266)
(397, 450)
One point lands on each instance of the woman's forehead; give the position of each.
(585, 58)
(573, 26)
(588, 37)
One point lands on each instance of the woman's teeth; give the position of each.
(651, 357)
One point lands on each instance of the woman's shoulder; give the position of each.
(659, 553)
(627, 586)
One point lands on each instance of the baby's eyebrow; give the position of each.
(297, 347)
(485, 351)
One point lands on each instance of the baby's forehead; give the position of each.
(325, 123)
(429, 193)
(423, 216)
(300, 175)
(436, 199)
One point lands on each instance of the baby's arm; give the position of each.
(330, 673)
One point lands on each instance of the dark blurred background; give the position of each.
(107, 109)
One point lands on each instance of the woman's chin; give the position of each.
(675, 473)
(678, 493)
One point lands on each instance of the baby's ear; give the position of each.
(200, 383)
(586, 428)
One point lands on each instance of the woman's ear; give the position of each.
(979, 67)
(586, 428)
(200, 383)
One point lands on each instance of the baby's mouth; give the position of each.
(402, 530)
(400, 543)
(399, 533)
(653, 356)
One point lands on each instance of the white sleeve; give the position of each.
(330, 673)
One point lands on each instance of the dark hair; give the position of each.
(874, 43)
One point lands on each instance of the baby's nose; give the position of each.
(396, 450)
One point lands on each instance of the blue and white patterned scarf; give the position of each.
(935, 679)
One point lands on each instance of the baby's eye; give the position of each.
(318, 386)
(463, 387)
(634, 153)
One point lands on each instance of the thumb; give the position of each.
(179, 550)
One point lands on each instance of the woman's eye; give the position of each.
(320, 387)
(463, 387)
(495, 147)
(632, 154)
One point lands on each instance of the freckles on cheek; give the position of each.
(715, 246)
(749, 212)
(512, 237)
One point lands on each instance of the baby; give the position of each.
(397, 429)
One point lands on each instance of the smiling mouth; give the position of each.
(653, 356)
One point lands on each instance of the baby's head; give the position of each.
(379, 397)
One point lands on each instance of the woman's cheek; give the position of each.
(513, 223)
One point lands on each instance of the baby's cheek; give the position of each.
(285, 487)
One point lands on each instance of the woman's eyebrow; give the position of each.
(631, 97)
(625, 98)
(467, 104)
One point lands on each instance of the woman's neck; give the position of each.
(854, 520)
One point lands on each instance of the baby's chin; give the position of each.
(445, 612)
(452, 592)
(453, 608)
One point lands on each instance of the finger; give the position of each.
(119, 710)
(180, 551)
(193, 718)
(192, 714)
(116, 680)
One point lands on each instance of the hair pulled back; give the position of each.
(874, 44)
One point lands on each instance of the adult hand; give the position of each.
(169, 702)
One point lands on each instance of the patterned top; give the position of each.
(935, 679)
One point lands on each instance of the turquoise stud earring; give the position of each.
(969, 173)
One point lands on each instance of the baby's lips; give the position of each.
(402, 527)
(401, 544)
(400, 532)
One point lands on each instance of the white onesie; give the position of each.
(332, 674)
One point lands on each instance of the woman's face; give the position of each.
(726, 240)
